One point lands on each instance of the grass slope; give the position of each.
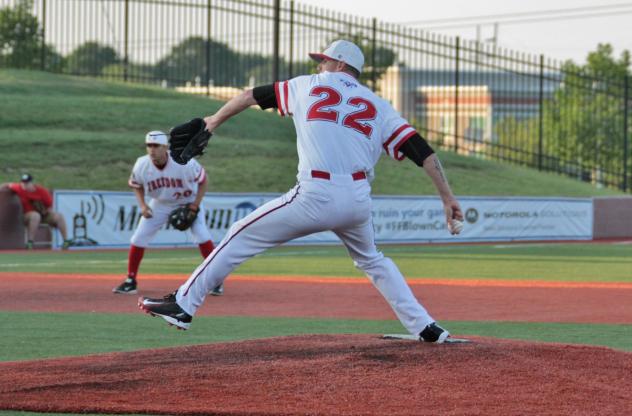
(82, 133)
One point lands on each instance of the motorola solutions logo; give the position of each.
(471, 215)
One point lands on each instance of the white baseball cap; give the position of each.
(342, 50)
(157, 137)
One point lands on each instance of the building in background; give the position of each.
(467, 113)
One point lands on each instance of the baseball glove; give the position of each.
(188, 140)
(182, 217)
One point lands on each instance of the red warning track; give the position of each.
(334, 297)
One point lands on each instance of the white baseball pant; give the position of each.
(149, 227)
(340, 204)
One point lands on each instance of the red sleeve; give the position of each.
(201, 177)
(397, 139)
(281, 90)
(133, 184)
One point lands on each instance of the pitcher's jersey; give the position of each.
(173, 184)
(342, 127)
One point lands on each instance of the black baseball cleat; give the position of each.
(167, 309)
(128, 287)
(433, 333)
(217, 291)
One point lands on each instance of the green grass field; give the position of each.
(82, 133)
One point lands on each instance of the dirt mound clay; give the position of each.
(329, 375)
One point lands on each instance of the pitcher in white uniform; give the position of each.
(169, 185)
(342, 130)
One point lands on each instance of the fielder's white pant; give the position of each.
(149, 227)
(313, 205)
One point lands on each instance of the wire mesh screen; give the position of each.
(466, 96)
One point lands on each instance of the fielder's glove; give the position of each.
(188, 140)
(182, 217)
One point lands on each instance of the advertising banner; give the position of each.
(103, 219)
(421, 219)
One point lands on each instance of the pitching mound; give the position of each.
(329, 375)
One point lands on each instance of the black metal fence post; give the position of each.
(126, 46)
(457, 62)
(208, 47)
(291, 53)
(373, 63)
(43, 57)
(277, 26)
(626, 136)
(541, 114)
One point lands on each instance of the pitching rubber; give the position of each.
(415, 338)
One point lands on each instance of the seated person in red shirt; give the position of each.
(36, 204)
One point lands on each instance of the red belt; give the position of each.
(357, 176)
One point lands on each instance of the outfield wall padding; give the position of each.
(612, 217)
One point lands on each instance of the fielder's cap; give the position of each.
(342, 50)
(157, 137)
(26, 177)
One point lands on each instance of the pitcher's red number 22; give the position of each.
(323, 110)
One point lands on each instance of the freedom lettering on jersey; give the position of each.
(164, 183)
(173, 183)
